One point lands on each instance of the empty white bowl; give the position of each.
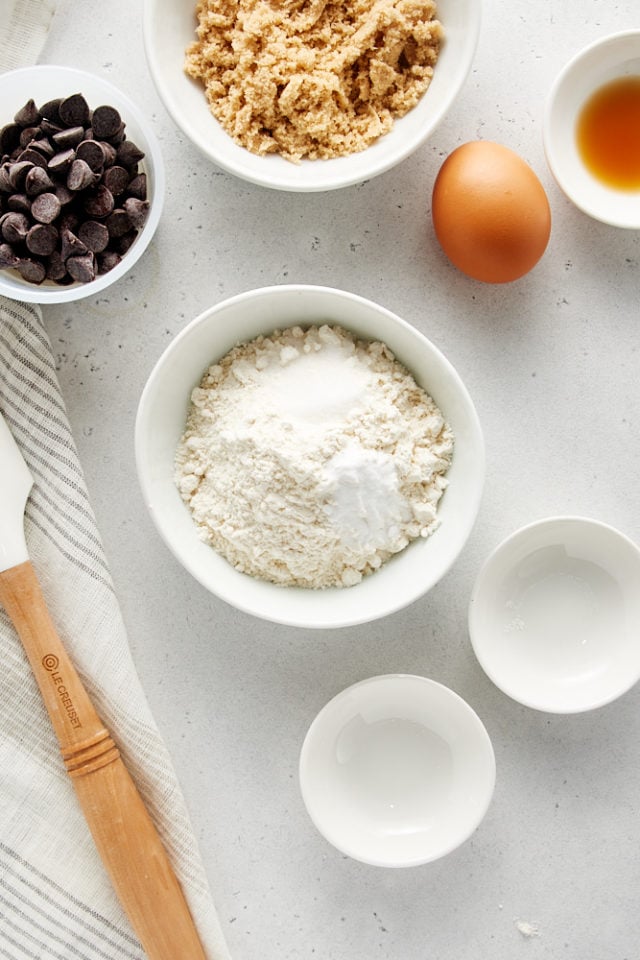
(605, 60)
(161, 421)
(169, 27)
(555, 613)
(397, 771)
(45, 82)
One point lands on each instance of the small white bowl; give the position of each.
(169, 27)
(614, 56)
(555, 612)
(397, 771)
(45, 82)
(161, 420)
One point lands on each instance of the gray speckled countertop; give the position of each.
(552, 363)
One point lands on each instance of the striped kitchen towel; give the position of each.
(24, 25)
(56, 902)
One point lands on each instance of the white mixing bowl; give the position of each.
(169, 27)
(161, 421)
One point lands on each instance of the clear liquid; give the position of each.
(561, 611)
(397, 772)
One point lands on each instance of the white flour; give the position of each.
(310, 457)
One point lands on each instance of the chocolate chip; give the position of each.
(42, 239)
(80, 175)
(49, 128)
(45, 208)
(118, 223)
(94, 235)
(5, 181)
(51, 110)
(18, 173)
(106, 122)
(71, 246)
(118, 137)
(9, 138)
(63, 194)
(70, 137)
(27, 135)
(137, 211)
(56, 268)
(128, 154)
(33, 156)
(19, 202)
(138, 187)
(108, 260)
(116, 180)
(8, 258)
(109, 153)
(100, 203)
(92, 153)
(42, 146)
(122, 244)
(82, 269)
(74, 111)
(68, 221)
(29, 115)
(37, 181)
(32, 270)
(61, 161)
(15, 227)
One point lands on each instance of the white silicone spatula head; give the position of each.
(15, 483)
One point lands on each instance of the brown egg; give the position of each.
(490, 212)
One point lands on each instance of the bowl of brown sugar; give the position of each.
(309, 96)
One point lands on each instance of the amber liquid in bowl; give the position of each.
(608, 133)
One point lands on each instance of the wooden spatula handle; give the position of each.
(124, 834)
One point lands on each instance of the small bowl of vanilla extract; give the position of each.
(592, 130)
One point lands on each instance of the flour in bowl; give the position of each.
(310, 457)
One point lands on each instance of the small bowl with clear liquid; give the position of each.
(397, 771)
(555, 612)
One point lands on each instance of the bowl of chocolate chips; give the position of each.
(81, 184)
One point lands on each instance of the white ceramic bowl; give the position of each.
(397, 771)
(161, 419)
(605, 60)
(555, 612)
(45, 82)
(169, 27)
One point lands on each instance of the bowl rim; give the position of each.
(240, 602)
(340, 173)
(33, 293)
(576, 65)
(315, 731)
(476, 635)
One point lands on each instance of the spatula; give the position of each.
(123, 832)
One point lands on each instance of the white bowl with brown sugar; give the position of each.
(361, 92)
(333, 483)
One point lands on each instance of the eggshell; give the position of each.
(490, 212)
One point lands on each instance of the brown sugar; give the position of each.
(312, 78)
